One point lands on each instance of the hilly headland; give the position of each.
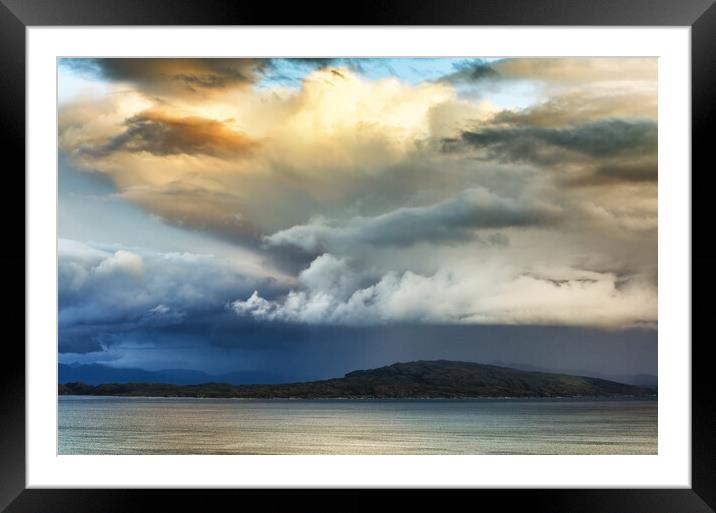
(403, 380)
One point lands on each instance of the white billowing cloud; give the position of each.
(330, 274)
(343, 120)
(492, 293)
(121, 261)
(451, 220)
(329, 279)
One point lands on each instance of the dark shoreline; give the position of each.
(653, 397)
(439, 379)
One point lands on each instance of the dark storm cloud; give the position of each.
(161, 134)
(599, 139)
(79, 339)
(613, 145)
(163, 74)
(629, 172)
(291, 259)
(454, 219)
(470, 71)
(642, 171)
(105, 291)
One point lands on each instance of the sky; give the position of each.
(309, 217)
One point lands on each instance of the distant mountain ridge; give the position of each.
(419, 379)
(97, 374)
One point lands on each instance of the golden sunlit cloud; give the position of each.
(344, 164)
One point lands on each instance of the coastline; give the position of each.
(653, 397)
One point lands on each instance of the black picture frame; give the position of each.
(17, 15)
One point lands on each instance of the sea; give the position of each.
(121, 425)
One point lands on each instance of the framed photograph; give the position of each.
(438, 246)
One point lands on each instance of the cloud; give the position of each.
(594, 122)
(331, 274)
(162, 133)
(584, 104)
(121, 262)
(452, 220)
(491, 294)
(471, 71)
(637, 171)
(264, 157)
(162, 315)
(421, 199)
(336, 120)
(561, 70)
(105, 289)
(199, 207)
(601, 139)
(166, 75)
(578, 70)
(597, 153)
(627, 219)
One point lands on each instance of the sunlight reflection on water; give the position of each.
(115, 425)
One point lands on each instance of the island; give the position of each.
(419, 380)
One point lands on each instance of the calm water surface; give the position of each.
(116, 425)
